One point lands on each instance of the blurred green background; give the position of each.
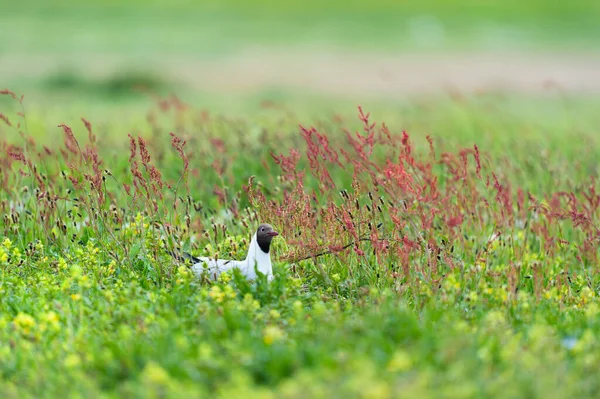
(233, 54)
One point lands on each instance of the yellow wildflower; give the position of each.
(76, 271)
(72, 361)
(216, 293)
(272, 334)
(224, 277)
(274, 314)
(473, 297)
(250, 303)
(110, 268)
(51, 319)
(24, 322)
(16, 254)
(62, 263)
(229, 292)
(451, 283)
(587, 293)
(183, 271)
(400, 361)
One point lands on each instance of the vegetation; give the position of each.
(456, 265)
(431, 246)
(99, 47)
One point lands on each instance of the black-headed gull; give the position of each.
(258, 255)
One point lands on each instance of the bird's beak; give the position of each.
(272, 233)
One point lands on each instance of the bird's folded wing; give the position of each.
(215, 265)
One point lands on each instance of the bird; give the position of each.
(258, 256)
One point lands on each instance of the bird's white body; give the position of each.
(255, 257)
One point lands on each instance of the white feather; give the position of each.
(255, 257)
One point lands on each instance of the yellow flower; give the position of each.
(501, 294)
(229, 292)
(473, 297)
(76, 271)
(75, 297)
(16, 254)
(24, 322)
(85, 281)
(7, 243)
(587, 293)
(400, 361)
(272, 334)
(250, 303)
(109, 295)
(274, 314)
(224, 277)
(216, 293)
(51, 318)
(451, 283)
(553, 294)
(72, 361)
(110, 268)
(62, 263)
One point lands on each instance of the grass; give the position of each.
(464, 269)
(84, 44)
(216, 27)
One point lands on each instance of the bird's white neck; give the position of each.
(256, 257)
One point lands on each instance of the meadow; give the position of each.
(407, 264)
(430, 246)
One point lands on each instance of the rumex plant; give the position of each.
(385, 209)
(419, 215)
(69, 195)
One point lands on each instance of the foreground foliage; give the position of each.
(403, 268)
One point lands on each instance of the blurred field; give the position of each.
(356, 49)
(442, 242)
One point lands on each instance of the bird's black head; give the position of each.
(264, 235)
